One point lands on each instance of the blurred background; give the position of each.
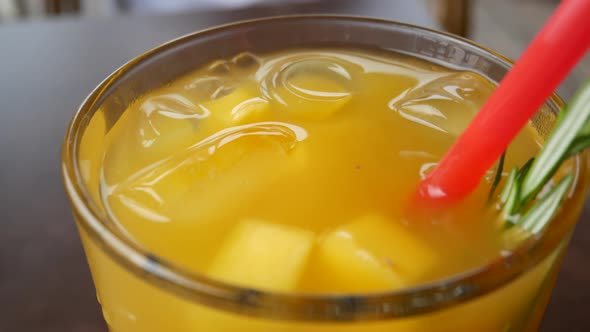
(504, 25)
(54, 52)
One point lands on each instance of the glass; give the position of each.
(140, 292)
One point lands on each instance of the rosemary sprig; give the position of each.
(497, 177)
(570, 136)
(539, 215)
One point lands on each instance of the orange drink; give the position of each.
(263, 185)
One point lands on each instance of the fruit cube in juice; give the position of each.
(292, 174)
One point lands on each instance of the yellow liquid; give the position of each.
(291, 172)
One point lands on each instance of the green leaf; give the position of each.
(572, 124)
(585, 130)
(570, 136)
(578, 145)
(524, 169)
(539, 215)
(508, 186)
(512, 202)
(497, 177)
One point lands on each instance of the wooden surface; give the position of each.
(47, 68)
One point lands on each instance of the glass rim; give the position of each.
(424, 298)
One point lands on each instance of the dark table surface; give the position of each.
(46, 69)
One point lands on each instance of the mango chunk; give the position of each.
(348, 267)
(373, 253)
(263, 255)
(240, 106)
(391, 240)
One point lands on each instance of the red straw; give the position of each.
(553, 53)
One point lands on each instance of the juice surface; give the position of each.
(291, 171)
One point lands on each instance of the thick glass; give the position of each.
(140, 292)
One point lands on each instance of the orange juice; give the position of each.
(290, 172)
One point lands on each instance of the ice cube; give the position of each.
(311, 89)
(242, 105)
(219, 67)
(246, 60)
(206, 88)
(168, 123)
(213, 177)
(148, 131)
(445, 104)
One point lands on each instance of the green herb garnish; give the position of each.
(497, 177)
(523, 185)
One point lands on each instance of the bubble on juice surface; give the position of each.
(445, 104)
(312, 87)
(209, 172)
